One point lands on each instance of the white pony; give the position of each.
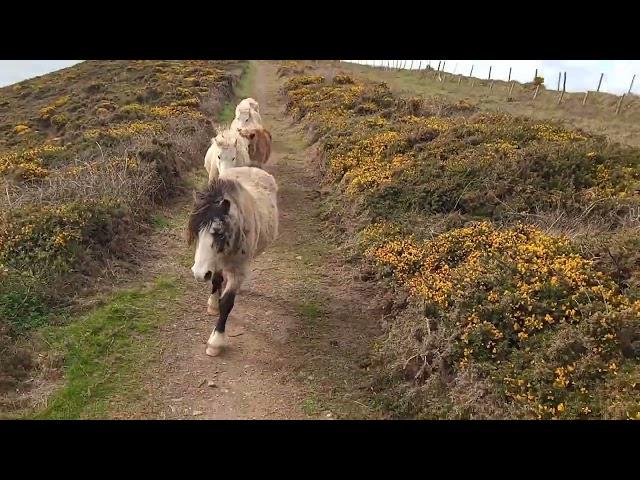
(228, 150)
(247, 115)
(248, 102)
(233, 222)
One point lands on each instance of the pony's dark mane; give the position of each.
(203, 213)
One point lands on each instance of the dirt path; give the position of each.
(300, 326)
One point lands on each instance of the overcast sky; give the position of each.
(581, 74)
(13, 71)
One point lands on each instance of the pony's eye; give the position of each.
(219, 157)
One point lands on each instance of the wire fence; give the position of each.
(442, 71)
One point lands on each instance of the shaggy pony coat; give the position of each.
(232, 223)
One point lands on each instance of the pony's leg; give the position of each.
(216, 287)
(218, 339)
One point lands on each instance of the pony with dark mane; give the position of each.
(232, 222)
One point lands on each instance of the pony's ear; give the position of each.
(197, 196)
(226, 205)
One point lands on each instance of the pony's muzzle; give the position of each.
(201, 275)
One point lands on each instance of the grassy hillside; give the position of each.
(597, 115)
(515, 239)
(85, 154)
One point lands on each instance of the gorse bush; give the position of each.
(504, 295)
(47, 239)
(31, 163)
(482, 165)
(505, 320)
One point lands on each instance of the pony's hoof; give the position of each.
(212, 310)
(217, 341)
(213, 351)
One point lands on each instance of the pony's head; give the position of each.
(212, 226)
(244, 116)
(227, 150)
(250, 135)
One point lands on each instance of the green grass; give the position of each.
(23, 308)
(309, 311)
(160, 222)
(245, 86)
(311, 407)
(242, 90)
(227, 113)
(105, 352)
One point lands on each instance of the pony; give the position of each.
(259, 144)
(248, 102)
(232, 222)
(247, 115)
(227, 150)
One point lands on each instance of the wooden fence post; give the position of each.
(631, 86)
(535, 75)
(535, 94)
(509, 79)
(584, 100)
(471, 72)
(564, 87)
(489, 78)
(620, 103)
(600, 82)
(511, 88)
